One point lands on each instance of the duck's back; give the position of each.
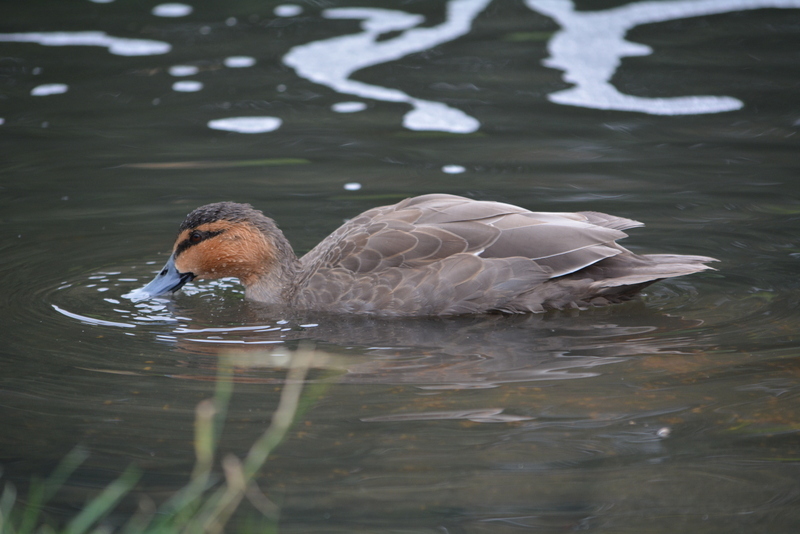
(444, 254)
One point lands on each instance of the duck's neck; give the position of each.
(276, 287)
(276, 282)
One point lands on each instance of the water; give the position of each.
(675, 412)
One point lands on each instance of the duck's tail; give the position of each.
(612, 280)
(635, 270)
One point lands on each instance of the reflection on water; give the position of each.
(49, 89)
(246, 124)
(588, 48)
(674, 412)
(332, 61)
(591, 44)
(432, 353)
(172, 10)
(116, 45)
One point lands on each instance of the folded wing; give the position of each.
(444, 254)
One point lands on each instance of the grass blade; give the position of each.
(65, 468)
(7, 501)
(101, 505)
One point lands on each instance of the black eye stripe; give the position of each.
(189, 241)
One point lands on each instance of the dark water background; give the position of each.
(677, 412)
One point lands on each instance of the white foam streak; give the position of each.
(119, 46)
(247, 125)
(234, 342)
(259, 328)
(590, 45)
(331, 62)
(91, 320)
(49, 89)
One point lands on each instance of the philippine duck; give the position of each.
(428, 255)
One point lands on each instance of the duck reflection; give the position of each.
(435, 353)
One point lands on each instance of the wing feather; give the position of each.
(443, 254)
(433, 227)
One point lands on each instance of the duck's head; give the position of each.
(222, 240)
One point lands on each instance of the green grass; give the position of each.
(204, 505)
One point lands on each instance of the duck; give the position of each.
(430, 255)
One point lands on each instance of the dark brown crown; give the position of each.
(220, 211)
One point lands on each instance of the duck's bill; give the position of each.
(168, 280)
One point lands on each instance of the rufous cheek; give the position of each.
(240, 251)
(187, 262)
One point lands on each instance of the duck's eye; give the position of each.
(195, 237)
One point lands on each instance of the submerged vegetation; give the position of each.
(205, 504)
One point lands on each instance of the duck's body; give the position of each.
(429, 255)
